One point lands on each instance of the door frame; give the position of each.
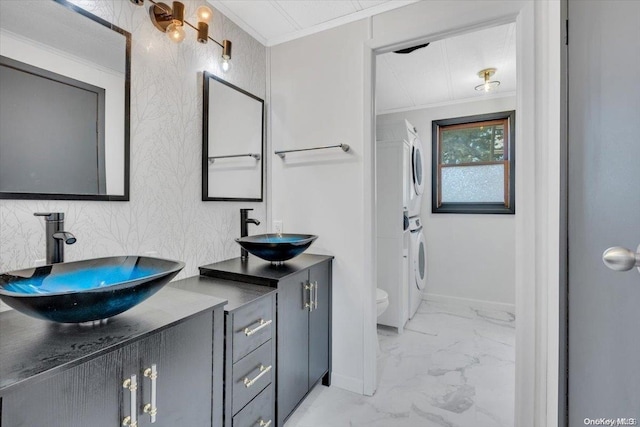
(538, 183)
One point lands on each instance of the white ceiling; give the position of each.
(446, 71)
(276, 21)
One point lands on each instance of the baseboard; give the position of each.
(476, 303)
(344, 382)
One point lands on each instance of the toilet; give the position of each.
(382, 301)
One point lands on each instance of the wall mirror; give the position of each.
(232, 142)
(64, 103)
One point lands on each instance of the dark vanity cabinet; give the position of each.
(144, 376)
(303, 338)
(87, 398)
(303, 350)
(250, 345)
(182, 359)
(250, 365)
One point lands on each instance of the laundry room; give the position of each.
(445, 216)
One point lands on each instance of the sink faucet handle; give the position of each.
(51, 216)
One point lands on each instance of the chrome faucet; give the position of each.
(56, 236)
(244, 225)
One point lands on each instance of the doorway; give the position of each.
(419, 86)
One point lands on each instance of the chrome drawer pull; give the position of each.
(151, 409)
(315, 295)
(264, 424)
(311, 297)
(307, 287)
(263, 324)
(248, 383)
(131, 384)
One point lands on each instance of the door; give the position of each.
(604, 209)
(85, 395)
(417, 159)
(420, 260)
(319, 323)
(293, 343)
(181, 357)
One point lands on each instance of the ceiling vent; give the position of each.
(411, 49)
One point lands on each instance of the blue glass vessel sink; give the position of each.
(83, 291)
(276, 247)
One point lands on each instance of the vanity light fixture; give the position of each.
(488, 85)
(170, 20)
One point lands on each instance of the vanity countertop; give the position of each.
(237, 294)
(33, 350)
(255, 270)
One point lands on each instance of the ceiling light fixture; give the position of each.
(170, 20)
(486, 74)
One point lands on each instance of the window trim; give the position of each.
(509, 162)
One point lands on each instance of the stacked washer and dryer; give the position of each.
(417, 246)
(401, 251)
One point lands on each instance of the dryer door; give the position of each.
(420, 259)
(417, 166)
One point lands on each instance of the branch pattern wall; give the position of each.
(165, 214)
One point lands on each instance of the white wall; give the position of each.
(316, 100)
(469, 257)
(165, 215)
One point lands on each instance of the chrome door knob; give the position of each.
(621, 259)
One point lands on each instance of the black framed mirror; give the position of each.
(232, 142)
(64, 103)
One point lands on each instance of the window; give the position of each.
(473, 164)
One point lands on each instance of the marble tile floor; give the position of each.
(454, 366)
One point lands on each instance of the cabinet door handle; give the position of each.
(264, 423)
(315, 295)
(307, 287)
(151, 409)
(248, 383)
(262, 324)
(131, 384)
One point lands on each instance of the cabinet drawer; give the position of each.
(248, 369)
(260, 409)
(249, 327)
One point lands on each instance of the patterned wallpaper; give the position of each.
(165, 216)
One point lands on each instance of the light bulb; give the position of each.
(175, 33)
(204, 14)
(226, 64)
(488, 85)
